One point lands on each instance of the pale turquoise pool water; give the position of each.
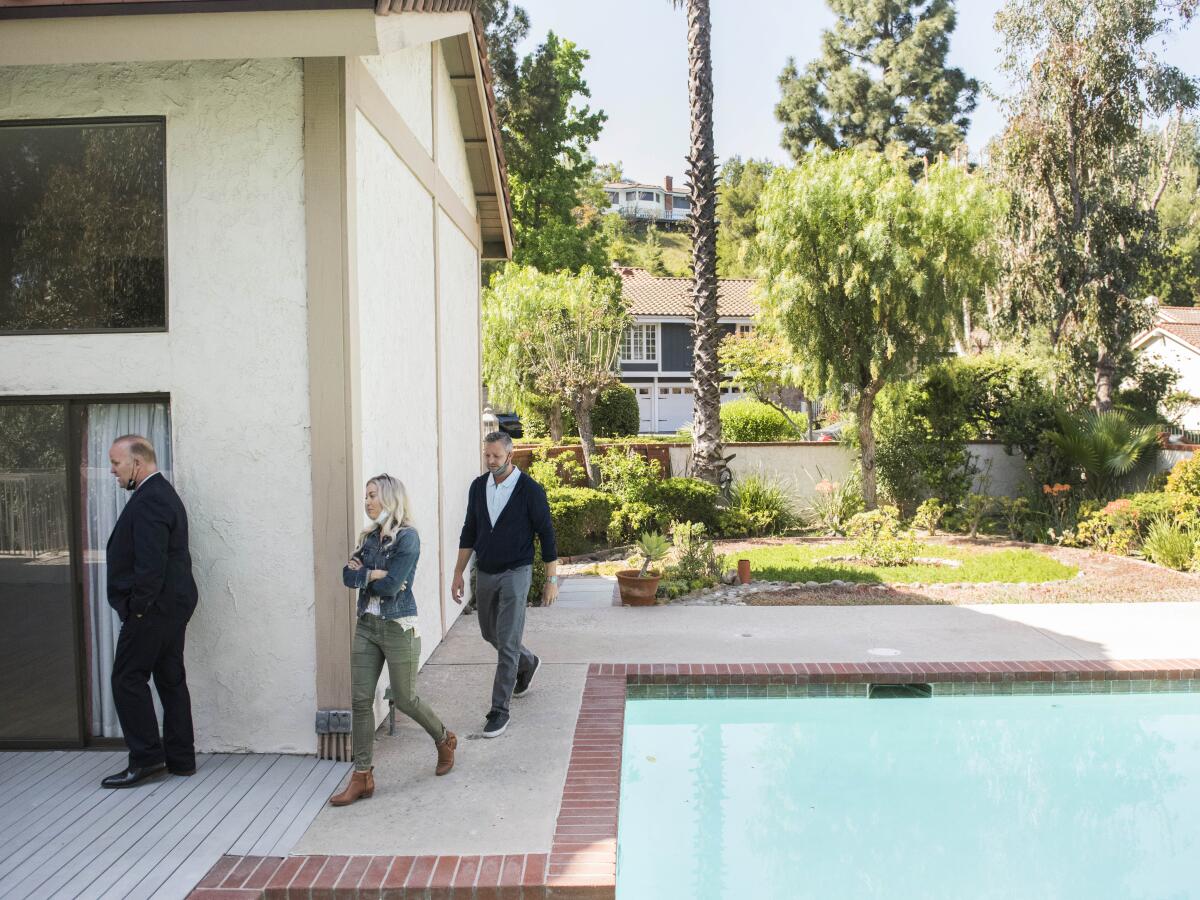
(1092, 796)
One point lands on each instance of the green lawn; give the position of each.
(799, 562)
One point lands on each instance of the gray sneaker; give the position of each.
(525, 679)
(497, 721)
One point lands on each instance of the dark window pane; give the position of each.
(82, 242)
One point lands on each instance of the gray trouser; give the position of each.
(500, 600)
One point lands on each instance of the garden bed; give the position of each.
(1050, 575)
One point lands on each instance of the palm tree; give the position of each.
(1105, 446)
(702, 165)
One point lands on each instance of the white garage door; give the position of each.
(645, 399)
(674, 407)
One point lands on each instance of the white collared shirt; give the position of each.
(499, 494)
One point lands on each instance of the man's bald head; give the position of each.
(132, 460)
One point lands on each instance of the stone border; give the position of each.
(582, 861)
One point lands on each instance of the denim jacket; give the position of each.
(399, 557)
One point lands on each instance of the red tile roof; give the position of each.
(649, 295)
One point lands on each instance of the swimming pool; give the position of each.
(1048, 796)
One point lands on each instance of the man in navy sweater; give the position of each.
(505, 509)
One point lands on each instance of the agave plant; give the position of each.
(652, 547)
(1105, 446)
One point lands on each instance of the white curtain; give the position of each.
(103, 501)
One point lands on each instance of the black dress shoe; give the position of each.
(131, 776)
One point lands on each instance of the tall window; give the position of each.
(614, 197)
(647, 196)
(82, 226)
(639, 344)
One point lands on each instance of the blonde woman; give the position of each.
(382, 569)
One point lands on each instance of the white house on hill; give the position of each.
(252, 231)
(1174, 340)
(651, 203)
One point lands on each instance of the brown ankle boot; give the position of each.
(445, 749)
(362, 785)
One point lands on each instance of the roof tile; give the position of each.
(649, 295)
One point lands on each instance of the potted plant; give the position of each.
(638, 586)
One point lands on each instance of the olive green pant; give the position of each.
(378, 640)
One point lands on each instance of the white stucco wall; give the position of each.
(405, 77)
(1186, 362)
(398, 347)
(461, 377)
(234, 362)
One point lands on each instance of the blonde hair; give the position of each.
(394, 499)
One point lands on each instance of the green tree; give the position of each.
(741, 185)
(881, 78)
(707, 460)
(1175, 278)
(1075, 161)
(762, 364)
(546, 132)
(652, 253)
(856, 259)
(506, 25)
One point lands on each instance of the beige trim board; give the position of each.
(217, 35)
(373, 103)
(333, 365)
(493, 157)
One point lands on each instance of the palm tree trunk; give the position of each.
(1105, 375)
(706, 423)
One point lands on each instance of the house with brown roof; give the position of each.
(656, 351)
(1174, 341)
(251, 230)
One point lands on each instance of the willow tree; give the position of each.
(864, 270)
(553, 338)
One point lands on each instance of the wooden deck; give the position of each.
(62, 835)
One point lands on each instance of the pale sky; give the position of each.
(638, 71)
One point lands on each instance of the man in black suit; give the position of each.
(150, 585)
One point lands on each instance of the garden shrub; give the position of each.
(1122, 526)
(629, 520)
(627, 475)
(560, 470)
(581, 517)
(1184, 477)
(616, 413)
(535, 420)
(975, 508)
(758, 505)
(922, 426)
(833, 503)
(879, 540)
(687, 500)
(1169, 544)
(695, 557)
(753, 421)
(929, 515)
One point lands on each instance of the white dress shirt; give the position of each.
(499, 494)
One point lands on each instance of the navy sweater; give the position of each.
(508, 545)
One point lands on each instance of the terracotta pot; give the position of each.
(637, 591)
(743, 571)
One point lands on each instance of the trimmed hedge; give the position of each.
(581, 516)
(687, 500)
(751, 421)
(615, 415)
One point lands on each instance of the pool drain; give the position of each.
(891, 691)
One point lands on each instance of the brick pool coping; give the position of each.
(582, 859)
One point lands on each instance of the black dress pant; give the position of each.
(152, 646)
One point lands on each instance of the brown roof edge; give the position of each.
(53, 9)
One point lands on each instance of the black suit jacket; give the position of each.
(149, 566)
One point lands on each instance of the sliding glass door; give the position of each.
(40, 648)
(58, 505)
